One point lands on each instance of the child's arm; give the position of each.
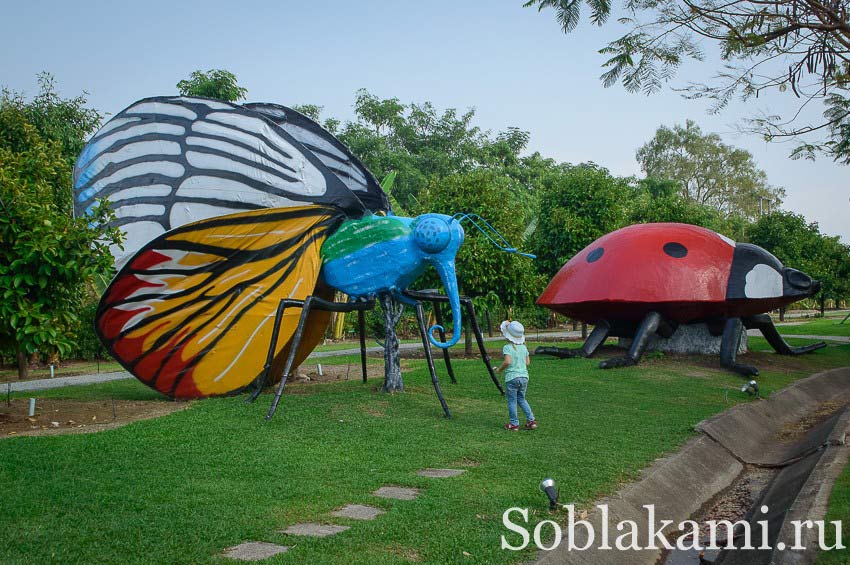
(505, 365)
(527, 360)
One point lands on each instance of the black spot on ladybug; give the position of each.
(675, 249)
(595, 255)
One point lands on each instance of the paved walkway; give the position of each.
(838, 338)
(59, 382)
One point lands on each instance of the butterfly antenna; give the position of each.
(490, 233)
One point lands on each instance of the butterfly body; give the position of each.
(374, 255)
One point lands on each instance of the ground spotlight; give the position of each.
(548, 486)
(751, 388)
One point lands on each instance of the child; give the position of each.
(516, 374)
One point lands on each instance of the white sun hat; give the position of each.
(513, 331)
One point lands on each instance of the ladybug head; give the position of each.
(756, 273)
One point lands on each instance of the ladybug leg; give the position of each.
(596, 338)
(729, 343)
(647, 328)
(764, 324)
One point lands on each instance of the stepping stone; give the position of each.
(398, 493)
(440, 473)
(358, 512)
(254, 551)
(314, 530)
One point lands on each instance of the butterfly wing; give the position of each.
(192, 313)
(334, 154)
(168, 161)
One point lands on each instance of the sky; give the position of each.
(513, 65)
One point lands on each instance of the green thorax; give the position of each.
(353, 235)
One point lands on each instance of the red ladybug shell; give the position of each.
(681, 271)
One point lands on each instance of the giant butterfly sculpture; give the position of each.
(232, 214)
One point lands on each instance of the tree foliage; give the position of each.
(578, 204)
(68, 122)
(801, 245)
(422, 144)
(215, 83)
(47, 256)
(482, 267)
(708, 171)
(656, 200)
(798, 46)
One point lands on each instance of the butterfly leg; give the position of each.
(420, 317)
(435, 299)
(438, 314)
(764, 324)
(361, 323)
(293, 349)
(479, 337)
(261, 381)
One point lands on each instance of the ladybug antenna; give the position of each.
(490, 233)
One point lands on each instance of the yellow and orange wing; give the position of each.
(192, 313)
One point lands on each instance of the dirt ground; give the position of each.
(59, 416)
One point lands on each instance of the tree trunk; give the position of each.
(392, 362)
(782, 313)
(23, 364)
(489, 323)
(338, 319)
(584, 330)
(822, 306)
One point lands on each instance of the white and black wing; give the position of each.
(167, 161)
(333, 153)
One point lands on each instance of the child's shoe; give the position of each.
(511, 427)
(531, 425)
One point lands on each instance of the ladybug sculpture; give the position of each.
(648, 279)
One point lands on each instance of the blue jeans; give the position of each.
(515, 391)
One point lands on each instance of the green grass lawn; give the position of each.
(182, 488)
(818, 326)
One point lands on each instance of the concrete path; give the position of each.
(838, 338)
(59, 382)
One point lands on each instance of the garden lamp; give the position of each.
(751, 388)
(548, 486)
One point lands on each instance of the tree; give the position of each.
(69, 122)
(578, 204)
(662, 201)
(801, 46)
(484, 271)
(215, 83)
(801, 245)
(707, 170)
(47, 256)
(482, 267)
(421, 144)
